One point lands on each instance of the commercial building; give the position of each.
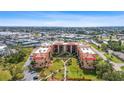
(4, 50)
(120, 36)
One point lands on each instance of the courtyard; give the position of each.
(66, 68)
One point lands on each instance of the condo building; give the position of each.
(61, 46)
(85, 54)
(42, 57)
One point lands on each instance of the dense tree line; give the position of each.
(70, 29)
(105, 71)
(11, 67)
(115, 45)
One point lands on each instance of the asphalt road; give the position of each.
(100, 54)
(116, 66)
(28, 75)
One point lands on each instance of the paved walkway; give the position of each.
(65, 69)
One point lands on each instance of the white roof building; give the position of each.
(41, 50)
(87, 50)
(4, 50)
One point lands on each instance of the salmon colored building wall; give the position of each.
(42, 59)
(86, 60)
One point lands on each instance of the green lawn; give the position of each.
(57, 64)
(81, 41)
(122, 68)
(93, 45)
(113, 58)
(60, 75)
(75, 72)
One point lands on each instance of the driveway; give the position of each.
(28, 75)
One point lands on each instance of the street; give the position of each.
(116, 66)
(28, 75)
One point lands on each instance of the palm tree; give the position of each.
(120, 43)
(110, 37)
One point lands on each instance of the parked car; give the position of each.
(32, 72)
(35, 77)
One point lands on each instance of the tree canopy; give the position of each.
(5, 75)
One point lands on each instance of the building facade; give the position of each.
(86, 56)
(84, 53)
(42, 57)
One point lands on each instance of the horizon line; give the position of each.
(62, 26)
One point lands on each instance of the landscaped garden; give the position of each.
(103, 71)
(57, 65)
(74, 72)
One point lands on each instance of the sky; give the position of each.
(63, 18)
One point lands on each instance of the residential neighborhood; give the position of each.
(45, 48)
(62, 55)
